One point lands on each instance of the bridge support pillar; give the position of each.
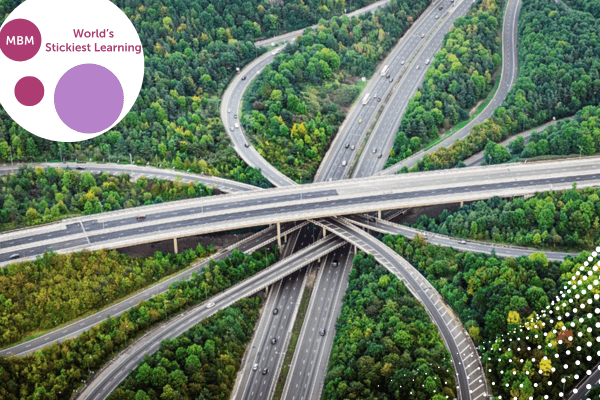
(324, 232)
(462, 203)
(278, 234)
(379, 214)
(175, 246)
(355, 249)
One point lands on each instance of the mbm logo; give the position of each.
(19, 40)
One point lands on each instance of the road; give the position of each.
(586, 385)
(248, 245)
(108, 378)
(510, 70)
(471, 246)
(262, 207)
(135, 171)
(285, 296)
(309, 363)
(411, 50)
(471, 381)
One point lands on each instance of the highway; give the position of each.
(108, 378)
(471, 246)
(419, 43)
(248, 245)
(135, 171)
(263, 207)
(586, 384)
(471, 381)
(510, 70)
(285, 296)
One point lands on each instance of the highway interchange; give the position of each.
(259, 205)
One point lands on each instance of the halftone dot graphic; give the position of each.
(29, 91)
(88, 98)
(20, 40)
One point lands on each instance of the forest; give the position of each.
(200, 364)
(56, 289)
(559, 74)
(386, 346)
(192, 50)
(56, 371)
(33, 196)
(580, 135)
(294, 108)
(494, 296)
(567, 220)
(461, 74)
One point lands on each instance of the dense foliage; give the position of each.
(192, 49)
(494, 296)
(460, 74)
(200, 364)
(559, 74)
(54, 289)
(294, 108)
(385, 344)
(566, 219)
(57, 370)
(33, 196)
(580, 135)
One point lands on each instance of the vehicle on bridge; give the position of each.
(385, 70)
(366, 99)
(140, 217)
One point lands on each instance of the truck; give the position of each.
(366, 99)
(276, 52)
(385, 70)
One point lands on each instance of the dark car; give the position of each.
(273, 340)
(79, 168)
(275, 311)
(347, 145)
(322, 332)
(243, 78)
(380, 155)
(14, 256)
(235, 116)
(265, 371)
(335, 263)
(141, 217)
(246, 145)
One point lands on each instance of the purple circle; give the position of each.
(89, 98)
(29, 91)
(20, 40)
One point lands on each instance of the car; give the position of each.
(380, 155)
(347, 145)
(360, 121)
(235, 116)
(335, 263)
(344, 163)
(427, 62)
(231, 128)
(352, 147)
(322, 332)
(387, 76)
(462, 241)
(441, 7)
(244, 78)
(140, 217)
(254, 367)
(246, 145)
(374, 150)
(275, 311)
(79, 168)
(437, 17)
(210, 305)
(422, 35)
(378, 99)
(374, 96)
(391, 79)
(418, 67)
(229, 110)
(265, 371)
(14, 256)
(273, 340)
(236, 125)
(402, 62)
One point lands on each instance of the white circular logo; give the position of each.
(71, 69)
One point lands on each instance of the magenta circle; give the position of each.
(29, 91)
(20, 40)
(89, 98)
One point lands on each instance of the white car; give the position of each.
(344, 163)
(417, 68)
(210, 305)
(402, 62)
(427, 62)
(422, 35)
(236, 125)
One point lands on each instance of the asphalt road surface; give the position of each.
(190, 217)
(510, 70)
(589, 382)
(252, 243)
(108, 378)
